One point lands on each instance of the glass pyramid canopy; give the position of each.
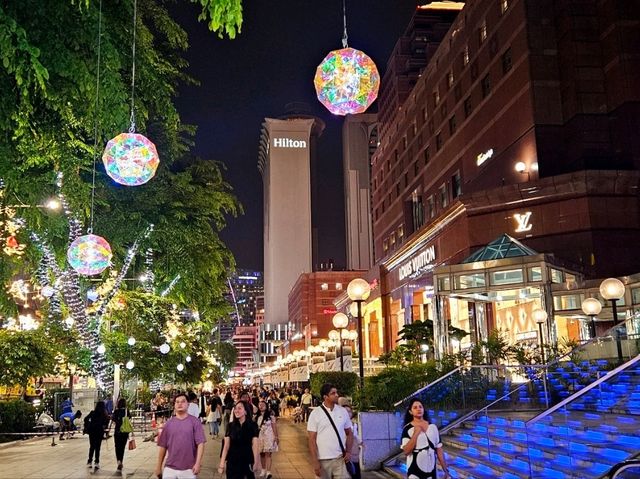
(502, 247)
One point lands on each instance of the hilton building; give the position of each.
(286, 156)
(506, 177)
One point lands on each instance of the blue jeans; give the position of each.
(214, 428)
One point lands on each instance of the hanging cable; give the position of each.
(345, 37)
(132, 126)
(95, 129)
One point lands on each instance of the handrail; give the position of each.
(621, 466)
(428, 386)
(585, 390)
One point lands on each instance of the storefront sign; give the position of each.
(419, 262)
(522, 221)
(527, 335)
(482, 157)
(288, 143)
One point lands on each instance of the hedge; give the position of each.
(345, 382)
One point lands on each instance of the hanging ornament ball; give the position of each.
(101, 349)
(347, 81)
(129, 365)
(130, 159)
(164, 348)
(180, 367)
(92, 295)
(188, 359)
(47, 291)
(131, 341)
(89, 254)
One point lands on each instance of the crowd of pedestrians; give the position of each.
(247, 423)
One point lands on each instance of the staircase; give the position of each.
(594, 424)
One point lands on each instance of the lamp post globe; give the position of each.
(592, 308)
(340, 320)
(612, 289)
(353, 309)
(333, 335)
(358, 289)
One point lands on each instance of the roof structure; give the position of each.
(502, 247)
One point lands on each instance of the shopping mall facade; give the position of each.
(507, 173)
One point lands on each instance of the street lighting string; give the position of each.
(95, 129)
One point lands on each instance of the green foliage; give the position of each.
(227, 355)
(344, 381)
(16, 416)
(416, 335)
(393, 384)
(24, 355)
(224, 16)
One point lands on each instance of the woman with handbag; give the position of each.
(421, 443)
(122, 420)
(267, 438)
(214, 414)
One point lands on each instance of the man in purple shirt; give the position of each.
(182, 442)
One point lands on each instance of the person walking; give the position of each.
(305, 401)
(194, 408)
(181, 442)
(214, 414)
(330, 436)
(356, 445)
(120, 437)
(267, 437)
(96, 423)
(227, 409)
(421, 443)
(241, 452)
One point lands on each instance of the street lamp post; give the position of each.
(612, 289)
(592, 308)
(358, 291)
(540, 316)
(340, 321)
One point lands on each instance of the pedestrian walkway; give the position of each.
(37, 459)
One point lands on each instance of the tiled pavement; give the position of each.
(37, 459)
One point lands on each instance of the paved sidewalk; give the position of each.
(39, 460)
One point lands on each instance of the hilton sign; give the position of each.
(423, 260)
(288, 143)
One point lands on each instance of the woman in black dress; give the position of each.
(95, 425)
(241, 451)
(421, 443)
(120, 438)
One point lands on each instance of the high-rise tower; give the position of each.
(286, 155)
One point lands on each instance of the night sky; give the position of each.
(272, 63)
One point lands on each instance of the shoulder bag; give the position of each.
(351, 469)
(126, 426)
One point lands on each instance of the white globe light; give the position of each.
(92, 295)
(101, 349)
(358, 289)
(130, 364)
(131, 341)
(180, 367)
(188, 359)
(210, 371)
(353, 335)
(334, 335)
(183, 345)
(539, 315)
(591, 307)
(165, 348)
(612, 288)
(520, 167)
(323, 343)
(340, 320)
(69, 322)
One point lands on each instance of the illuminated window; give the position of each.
(400, 231)
(431, 207)
(324, 286)
(456, 184)
(507, 277)
(504, 5)
(392, 239)
(474, 280)
(450, 79)
(556, 276)
(483, 31)
(465, 56)
(338, 286)
(534, 273)
(444, 284)
(385, 245)
(444, 197)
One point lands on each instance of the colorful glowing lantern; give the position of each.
(130, 159)
(89, 254)
(347, 81)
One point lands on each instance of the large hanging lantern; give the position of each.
(89, 254)
(347, 81)
(130, 159)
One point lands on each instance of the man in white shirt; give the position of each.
(194, 408)
(327, 457)
(305, 402)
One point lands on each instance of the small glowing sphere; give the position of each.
(180, 367)
(188, 359)
(89, 254)
(69, 322)
(47, 291)
(101, 349)
(131, 341)
(165, 348)
(183, 345)
(129, 365)
(130, 159)
(347, 81)
(92, 295)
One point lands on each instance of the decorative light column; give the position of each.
(340, 321)
(592, 308)
(358, 291)
(612, 289)
(540, 316)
